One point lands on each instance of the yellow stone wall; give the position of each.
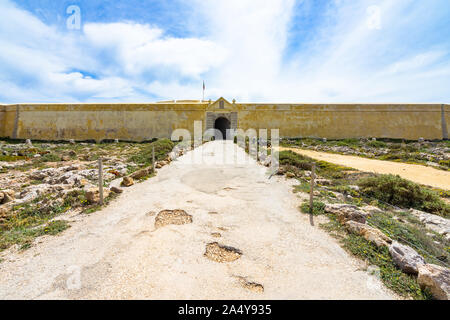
(145, 121)
(2, 121)
(347, 120)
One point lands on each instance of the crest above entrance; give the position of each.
(219, 112)
(220, 104)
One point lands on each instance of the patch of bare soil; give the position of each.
(220, 253)
(252, 286)
(177, 217)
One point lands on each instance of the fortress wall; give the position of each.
(346, 121)
(7, 117)
(100, 121)
(146, 121)
(2, 121)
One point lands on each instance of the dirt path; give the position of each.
(118, 253)
(417, 173)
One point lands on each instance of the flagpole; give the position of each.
(203, 91)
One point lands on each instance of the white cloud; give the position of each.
(241, 54)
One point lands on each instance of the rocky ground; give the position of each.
(47, 187)
(212, 229)
(40, 181)
(376, 218)
(431, 153)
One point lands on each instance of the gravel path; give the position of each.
(414, 172)
(118, 253)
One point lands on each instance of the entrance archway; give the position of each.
(222, 124)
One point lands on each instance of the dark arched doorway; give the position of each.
(222, 124)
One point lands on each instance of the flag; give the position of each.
(204, 85)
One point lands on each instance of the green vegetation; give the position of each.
(376, 144)
(144, 157)
(33, 219)
(301, 162)
(318, 208)
(382, 191)
(414, 234)
(445, 163)
(25, 236)
(403, 193)
(50, 157)
(401, 283)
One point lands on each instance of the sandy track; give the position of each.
(414, 172)
(117, 252)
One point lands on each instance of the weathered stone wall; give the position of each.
(2, 121)
(347, 121)
(144, 121)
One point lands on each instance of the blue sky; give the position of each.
(251, 50)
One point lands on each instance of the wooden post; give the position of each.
(153, 158)
(311, 193)
(100, 180)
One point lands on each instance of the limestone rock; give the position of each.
(336, 207)
(324, 182)
(436, 279)
(406, 258)
(4, 210)
(127, 182)
(370, 234)
(140, 174)
(290, 175)
(354, 227)
(116, 190)
(375, 236)
(372, 210)
(93, 195)
(433, 222)
(7, 196)
(345, 212)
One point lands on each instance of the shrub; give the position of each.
(294, 159)
(162, 148)
(445, 163)
(318, 208)
(377, 144)
(50, 157)
(403, 193)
